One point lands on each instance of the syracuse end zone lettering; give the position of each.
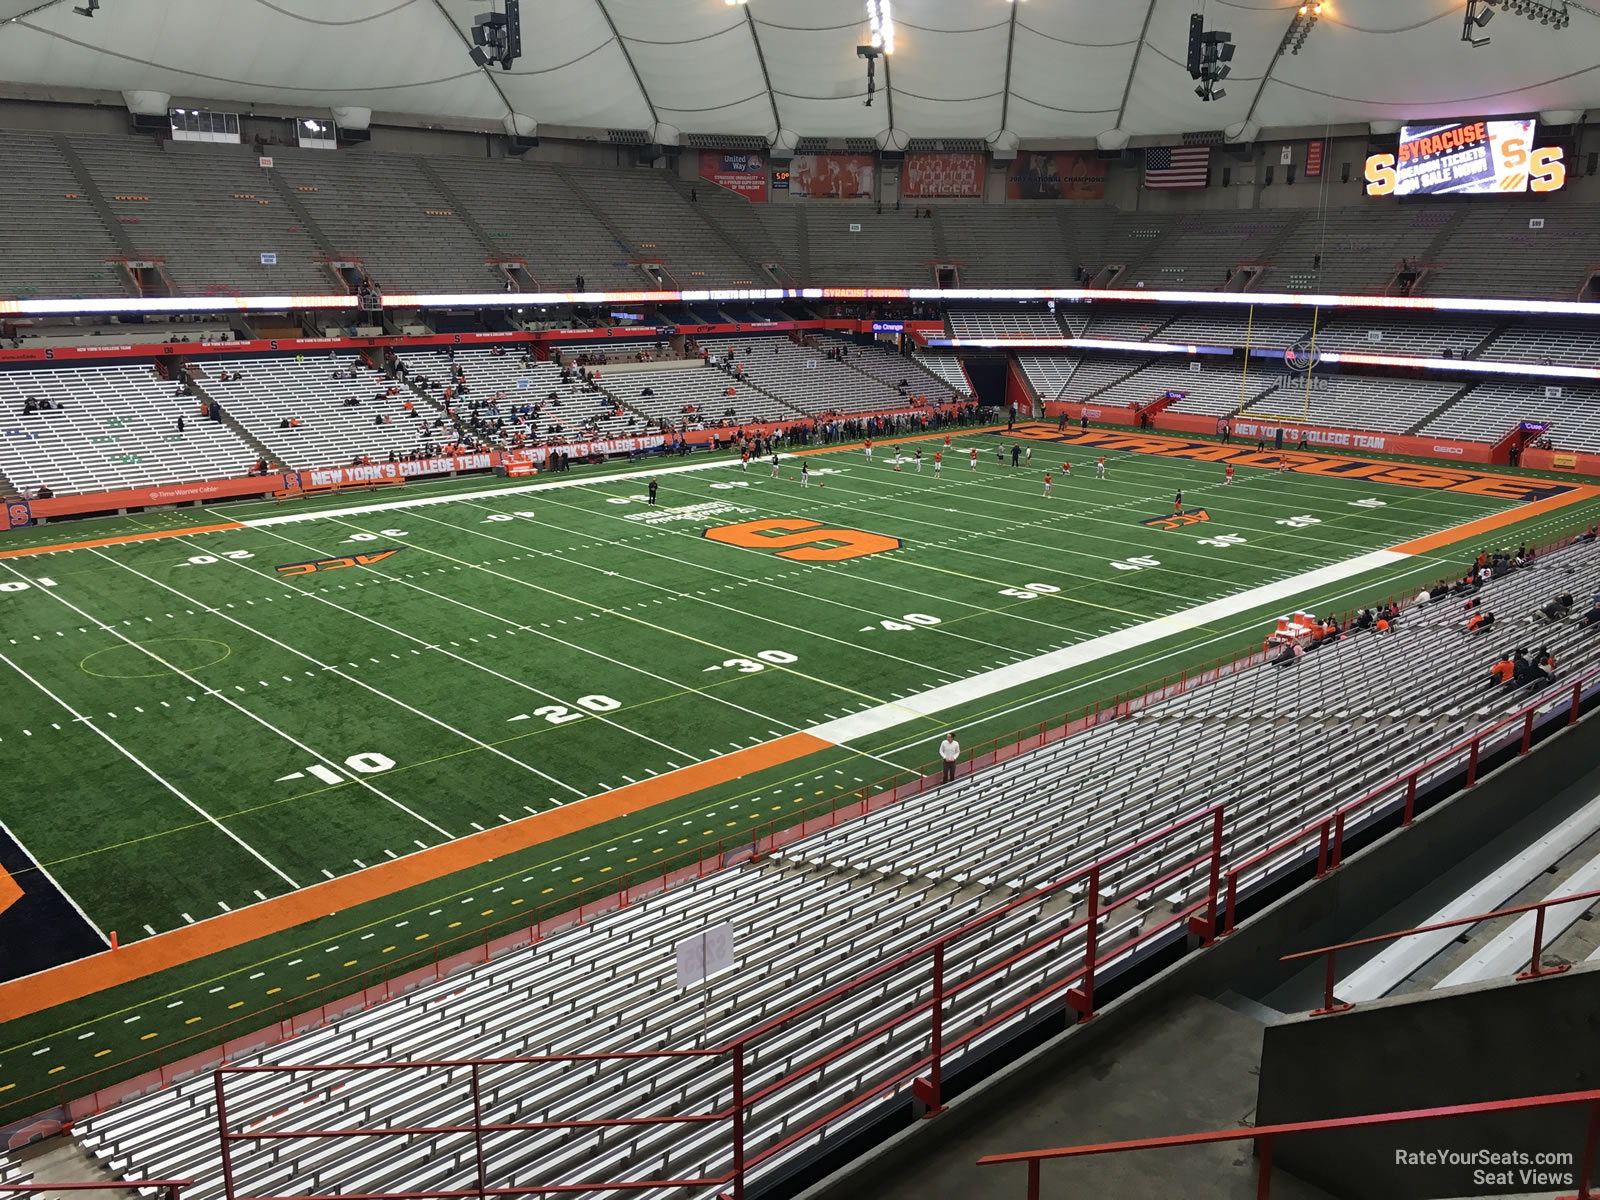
(1443, 479)
(802, 540)
(333, 564)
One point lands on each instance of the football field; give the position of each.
(288, 745)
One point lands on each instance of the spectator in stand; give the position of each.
(180, 422)
(1544, 666)
(1503, 670)
(1558, 607)
(1480, 622)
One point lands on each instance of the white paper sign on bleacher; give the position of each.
(811, 364)
(1552, 391)
(855, 229)
(1374, 335)
(268, 258)
(265, 161)
(704, 954)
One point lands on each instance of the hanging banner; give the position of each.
(388, 472)
(1313, 158)
(745, 174)
(1056, 175)
(835, 176)
(929, 175)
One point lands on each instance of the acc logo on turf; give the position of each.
(802, 540)
(1189, 516)
(333, 564)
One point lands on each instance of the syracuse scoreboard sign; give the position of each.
(1467, 158)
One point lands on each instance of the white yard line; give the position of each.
(148, 770)
(434, 646)
(333, 670)
(951, 695)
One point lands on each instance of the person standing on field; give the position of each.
(652, 491)
(949, 752)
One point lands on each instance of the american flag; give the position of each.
(1176, 166)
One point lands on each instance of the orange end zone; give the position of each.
(1485, 525)
(10, 891)
(74, 980)
(117, 541)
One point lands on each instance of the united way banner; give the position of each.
(942, 175)
(839, 176)
(745, 174)
(1056, 175)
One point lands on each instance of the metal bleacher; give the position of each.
(117, 428)
(803, 377)
(261, 393)
(1033, 321)
(821, 912)
(209, 212)
(574, 410)
(55, 243)
(1491, 408)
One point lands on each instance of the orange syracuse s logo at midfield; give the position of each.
(333, 564)
(802, 540)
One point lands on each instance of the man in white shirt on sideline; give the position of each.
(949, 751)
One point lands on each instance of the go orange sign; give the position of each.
(802, 540)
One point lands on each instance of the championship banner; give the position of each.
(1314, 158)
(836, 176)
(380, 472)
(928, 175)
(745, 174)
(1056, 175)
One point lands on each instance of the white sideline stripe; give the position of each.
(988, 683)
(484, 494)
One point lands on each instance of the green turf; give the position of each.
(503, 664)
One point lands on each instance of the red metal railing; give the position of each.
(477, 1126)
(174, 1187)
(1330, 829)
(1534, 970)
(1069, 978)
(1265, 1135)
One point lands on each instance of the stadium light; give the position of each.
(1555, 16)
(880, 26)
(87, 10)
(1300, 26)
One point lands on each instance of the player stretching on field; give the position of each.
(744, 460)
(974, 453)
(938, 463)
(1227, 476)
(805, 474)
(1066, 470)
(1100, 468)
(869, 449)
(1047, 485)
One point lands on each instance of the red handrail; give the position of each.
(1075, 985)
(174, 1186)
(1265, 1135)
(1534, 970)
(1330, 827)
